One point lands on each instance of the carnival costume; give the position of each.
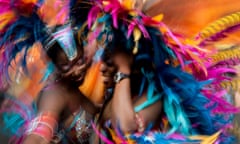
(182, 74)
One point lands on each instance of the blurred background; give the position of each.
(186, 17)
(190, 16)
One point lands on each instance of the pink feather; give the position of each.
(92, 15)
(103, 138)
(176, 136)
(222, 105)
(130, 29)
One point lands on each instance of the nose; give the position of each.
(107, 70)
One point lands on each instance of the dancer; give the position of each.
(61, 102)
(62, 113)
(168, 75)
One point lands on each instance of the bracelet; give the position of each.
(120, 76)
(43, 125)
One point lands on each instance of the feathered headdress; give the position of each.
(44, 22)
(175, 64)
(189, 102)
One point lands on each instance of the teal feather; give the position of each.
(48, 71)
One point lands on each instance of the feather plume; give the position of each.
(232, 53)
(54, 12)
(16, 115)
(6, 19)
(219, 28)
(15, 41)
(105, 139)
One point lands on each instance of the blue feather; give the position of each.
(48, 71)
(20, 36)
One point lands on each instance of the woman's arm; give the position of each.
(123, 109)
(123, 114)
(42, 127)
(122, 105)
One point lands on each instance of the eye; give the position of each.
(65, 67)
(79, 62)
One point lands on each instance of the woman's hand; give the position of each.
(117, 62)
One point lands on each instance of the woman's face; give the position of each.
(73, 70)
(76, 69)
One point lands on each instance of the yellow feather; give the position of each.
(158, 18)
(198, 137)
(219, 25)
(211, 139)
(29, 1)
(226, 54)
(206, 139)
(118, 140)
(128, 4)
(137, 35)
(6, 18)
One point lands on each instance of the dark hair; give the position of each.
(79, 12)
(54, 51)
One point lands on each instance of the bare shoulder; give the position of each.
(53, 98)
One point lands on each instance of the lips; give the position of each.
(80, 74)
(79, 70)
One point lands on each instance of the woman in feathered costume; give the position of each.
(162, 70)
(62, 113)
(164, 90)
